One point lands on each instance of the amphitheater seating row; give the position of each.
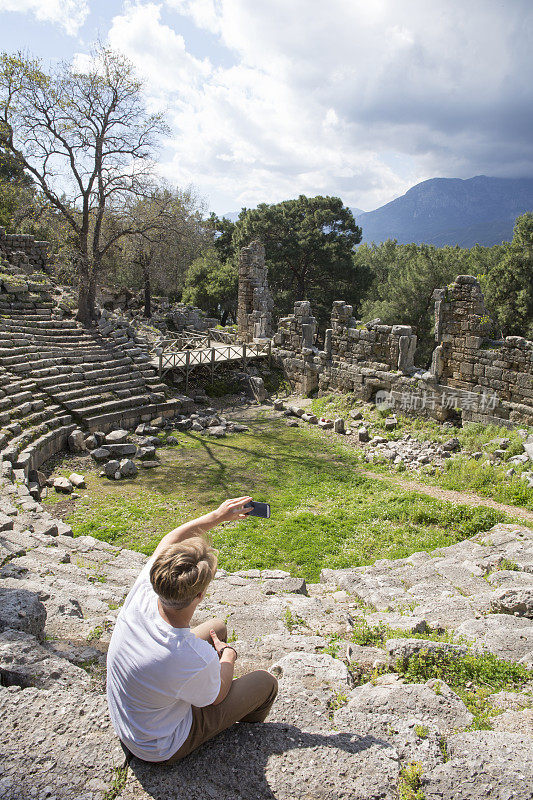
(55, 373)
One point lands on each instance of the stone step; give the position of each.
(99, 375)
(113, 406)
(9, 354)
(99, 388)
(51, 324)
(46, 445)
(106, 420)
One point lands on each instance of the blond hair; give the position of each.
(183, 571)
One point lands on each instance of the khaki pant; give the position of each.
(249, 700)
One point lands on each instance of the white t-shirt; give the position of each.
(155, 673)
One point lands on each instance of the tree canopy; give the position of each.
(508, 285)
(309, 245)
(212, 284)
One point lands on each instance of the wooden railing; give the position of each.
(173, 356)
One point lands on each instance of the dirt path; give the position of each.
(464, 498)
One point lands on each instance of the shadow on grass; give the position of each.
(270, 456)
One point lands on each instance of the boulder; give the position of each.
(505, 635)
(258, 388)
(285, 584)
(120, 450)
(184, 424)
(150, 464)
(405, 648)
(63, 485)
(128, 469)
(451, 445)
(325, 424)
(56, 743)
(116, 437)
(514, 600)
(278, 405)
(146, 453)
(363, 435)
(515, 722)
(24, 662)
(45, 527)
(425, 703)
(275, 760)
(22, 610)
(483, 764)
(91, 443)
(76, 441)
(112, 468)
(77, 480)
(100, 454)
(338, 426)
(217, 431)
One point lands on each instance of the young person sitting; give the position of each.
(170, 687)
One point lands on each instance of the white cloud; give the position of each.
(69, 14)
(158, 52)
(354, 98)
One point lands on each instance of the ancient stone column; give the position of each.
(254, 309)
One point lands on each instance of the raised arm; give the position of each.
(228, 511)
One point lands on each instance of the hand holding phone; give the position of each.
(257, 509)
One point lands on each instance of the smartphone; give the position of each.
(258, 509)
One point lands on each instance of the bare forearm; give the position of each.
(227, 668)
(196, 527)
(230, 510)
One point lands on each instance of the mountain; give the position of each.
(451, 211)
(356, 211)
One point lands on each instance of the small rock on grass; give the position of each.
(63, 485)
(77, 480)
(116, 437)
(111, 468)
(128, 468)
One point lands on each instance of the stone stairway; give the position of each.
(55, 373)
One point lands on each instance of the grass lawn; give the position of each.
(325, 512)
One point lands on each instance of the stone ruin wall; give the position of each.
(254, 308)
(24, 251)
(472, 377)
(465, 358)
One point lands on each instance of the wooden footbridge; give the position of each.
(190, 350)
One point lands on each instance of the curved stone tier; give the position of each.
(56, 374)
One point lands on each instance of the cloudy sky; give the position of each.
(268, 99)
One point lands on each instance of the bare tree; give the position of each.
(88, 141)
(174, 234)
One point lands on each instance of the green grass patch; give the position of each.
(482, 477)
(410, 782)
(325, 512)
(474, 677)
(483, 669)
(460, 473)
